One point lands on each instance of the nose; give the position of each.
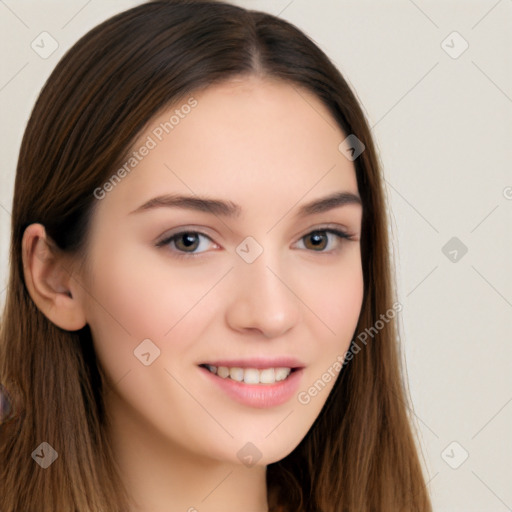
(262, 299)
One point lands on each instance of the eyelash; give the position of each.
(342, 235)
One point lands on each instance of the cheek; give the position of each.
(137, 298)
(344, 312)
(336, 302)
(334, 295)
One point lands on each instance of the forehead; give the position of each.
(253, 137)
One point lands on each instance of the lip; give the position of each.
(260, 363)
(260, 396)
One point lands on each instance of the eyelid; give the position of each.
(200, 230)
(167, 239)
(329, 227)
(341, 232)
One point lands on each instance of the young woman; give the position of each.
(200, 312)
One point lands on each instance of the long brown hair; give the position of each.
(360, 454)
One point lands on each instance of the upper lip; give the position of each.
(257, 362)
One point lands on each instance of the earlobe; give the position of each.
(49, 280)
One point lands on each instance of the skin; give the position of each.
(270, 148)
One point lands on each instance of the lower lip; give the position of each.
(258, 395)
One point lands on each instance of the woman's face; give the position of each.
(256, 283)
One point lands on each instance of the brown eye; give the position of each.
(186, 242)
(324, 240)
(316, 240)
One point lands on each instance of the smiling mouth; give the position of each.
(251, 375)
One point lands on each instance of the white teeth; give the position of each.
(282, 373)
(267, 376)
(251, 375)
(222, 371)
(236, 374)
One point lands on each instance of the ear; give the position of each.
(49, 280)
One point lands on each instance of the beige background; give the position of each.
(443, 126)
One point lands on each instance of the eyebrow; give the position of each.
(230, 209)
